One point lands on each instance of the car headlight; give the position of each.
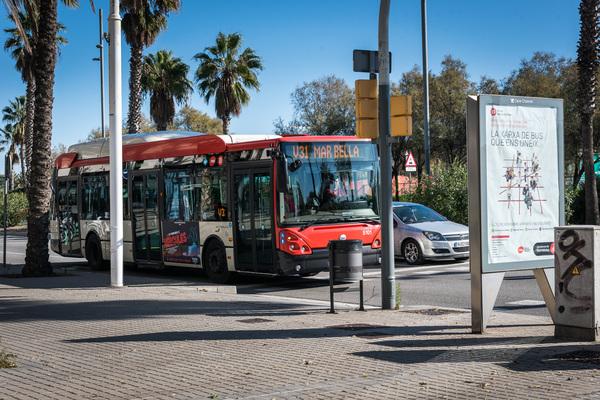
(433, 236)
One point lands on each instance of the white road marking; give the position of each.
(462, 267)
(526, 303)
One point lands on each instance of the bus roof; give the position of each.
(165, 144)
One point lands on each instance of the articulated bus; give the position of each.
(223, 203)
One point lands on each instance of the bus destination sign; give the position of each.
(331, 151)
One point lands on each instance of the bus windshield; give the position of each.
(328, 181)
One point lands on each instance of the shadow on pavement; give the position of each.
(266, 334)
(14, 309)
(538, 357)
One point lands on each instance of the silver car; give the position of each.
(421, 233)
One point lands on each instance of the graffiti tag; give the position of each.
(570, 243)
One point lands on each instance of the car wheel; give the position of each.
(215, 264)
(93, 253)
(411, 251)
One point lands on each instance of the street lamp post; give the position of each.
(100, 59)
(116, 147)
(388, 279)
(426, 142)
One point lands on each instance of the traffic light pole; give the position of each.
(388, 279)
(426, 141)
(116, 148)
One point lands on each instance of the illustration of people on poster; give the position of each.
(522, 182)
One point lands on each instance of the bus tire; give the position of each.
(215, 263)
(93, 253)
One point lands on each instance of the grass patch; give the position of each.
(7, 360)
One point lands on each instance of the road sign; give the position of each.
(366, 61)
(410, 165)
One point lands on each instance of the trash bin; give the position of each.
(345, 260)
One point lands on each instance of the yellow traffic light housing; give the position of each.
(367, 111)
(401, 115)
(366, 108)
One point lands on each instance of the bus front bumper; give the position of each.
(318, 261)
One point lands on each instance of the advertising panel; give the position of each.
(521, 180)
(181, 242)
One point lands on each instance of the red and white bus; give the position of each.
(223, 203)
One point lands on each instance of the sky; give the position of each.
(300, 41)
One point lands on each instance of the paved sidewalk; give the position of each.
(156, 341)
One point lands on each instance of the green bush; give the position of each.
(17, 209)
(575, 205)
(445, 191)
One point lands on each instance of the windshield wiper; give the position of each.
(370, 219)
(323, 219)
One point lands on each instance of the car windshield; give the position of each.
(415, 213)
(329, 182)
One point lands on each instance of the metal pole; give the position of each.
(101, 48)
(388, 284)
(425, 51)
(6, 174)
(116, 148)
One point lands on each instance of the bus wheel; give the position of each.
(215, 263)
(93, 253)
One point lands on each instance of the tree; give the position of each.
(587, 65)
(14, 132)
(225, 72)
(164, 79)
(190, 119)
(411, 84)
(488, 85)
(143, 20)
(448, 92)
(323, 106)
(20, 43)
(8, 145)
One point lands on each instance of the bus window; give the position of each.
(179, 196)
(213, 194)
(95, 203)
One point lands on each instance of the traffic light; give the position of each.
(401, 115)
(366, 108)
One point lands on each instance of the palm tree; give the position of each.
(15, 116)
(164, 79)
(8, 145)
(142, 22)
(224, 73)
(44, 51)
(587, 65)
(17, 45)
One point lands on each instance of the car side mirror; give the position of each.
(395, 224)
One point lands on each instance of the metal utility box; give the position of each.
(576, 249)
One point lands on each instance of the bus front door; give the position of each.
(253, 220)
(145, 217)
(68, 216)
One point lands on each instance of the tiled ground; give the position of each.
(182, 342)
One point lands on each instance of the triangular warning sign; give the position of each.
(575, 270)
(410, 161)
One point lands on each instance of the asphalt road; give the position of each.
(440, 284)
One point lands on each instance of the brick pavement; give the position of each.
(155, 341)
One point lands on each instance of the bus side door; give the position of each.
(67, 211)
(253, 220)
